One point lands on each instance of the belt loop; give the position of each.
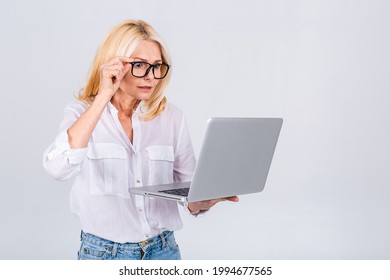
(163, 240)
(114, 250)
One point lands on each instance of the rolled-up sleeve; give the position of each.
(184, 164)
(59, 160)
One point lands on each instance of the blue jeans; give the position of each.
(161, 247)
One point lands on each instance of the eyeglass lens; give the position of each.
(141, 69)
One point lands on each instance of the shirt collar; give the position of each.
(111, 108)
(142, 107)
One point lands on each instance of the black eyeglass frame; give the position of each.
(151, 66)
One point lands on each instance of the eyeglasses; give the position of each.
(141, 69)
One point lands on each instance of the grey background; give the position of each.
(321, 65)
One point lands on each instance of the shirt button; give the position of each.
(139, 210)
(138, 181)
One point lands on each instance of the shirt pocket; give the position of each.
(161, 160)
(108, 169)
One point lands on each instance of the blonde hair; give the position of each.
(122, 41)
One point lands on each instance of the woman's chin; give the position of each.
(144, 95)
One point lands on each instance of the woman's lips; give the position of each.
(145, 88)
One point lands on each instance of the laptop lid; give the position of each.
(235, 157)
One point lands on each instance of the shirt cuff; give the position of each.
(76, 156)
(62, 147)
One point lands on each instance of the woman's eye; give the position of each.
(138, 65)
(157, 66)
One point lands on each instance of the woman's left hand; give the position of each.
(196, 207)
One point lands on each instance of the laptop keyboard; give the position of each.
(181, 191)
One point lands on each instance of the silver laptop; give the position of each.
(235, 159)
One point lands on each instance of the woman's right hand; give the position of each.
(111, 74)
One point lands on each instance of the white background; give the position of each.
(321, 65)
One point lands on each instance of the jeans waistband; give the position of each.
(153, 241)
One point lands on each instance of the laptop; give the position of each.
(234, 159)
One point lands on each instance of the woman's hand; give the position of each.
(196, 207)
(111, 74)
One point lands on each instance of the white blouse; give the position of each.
(161, 153)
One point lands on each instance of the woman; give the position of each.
(121, 133)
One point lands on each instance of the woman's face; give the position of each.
(142, 88)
